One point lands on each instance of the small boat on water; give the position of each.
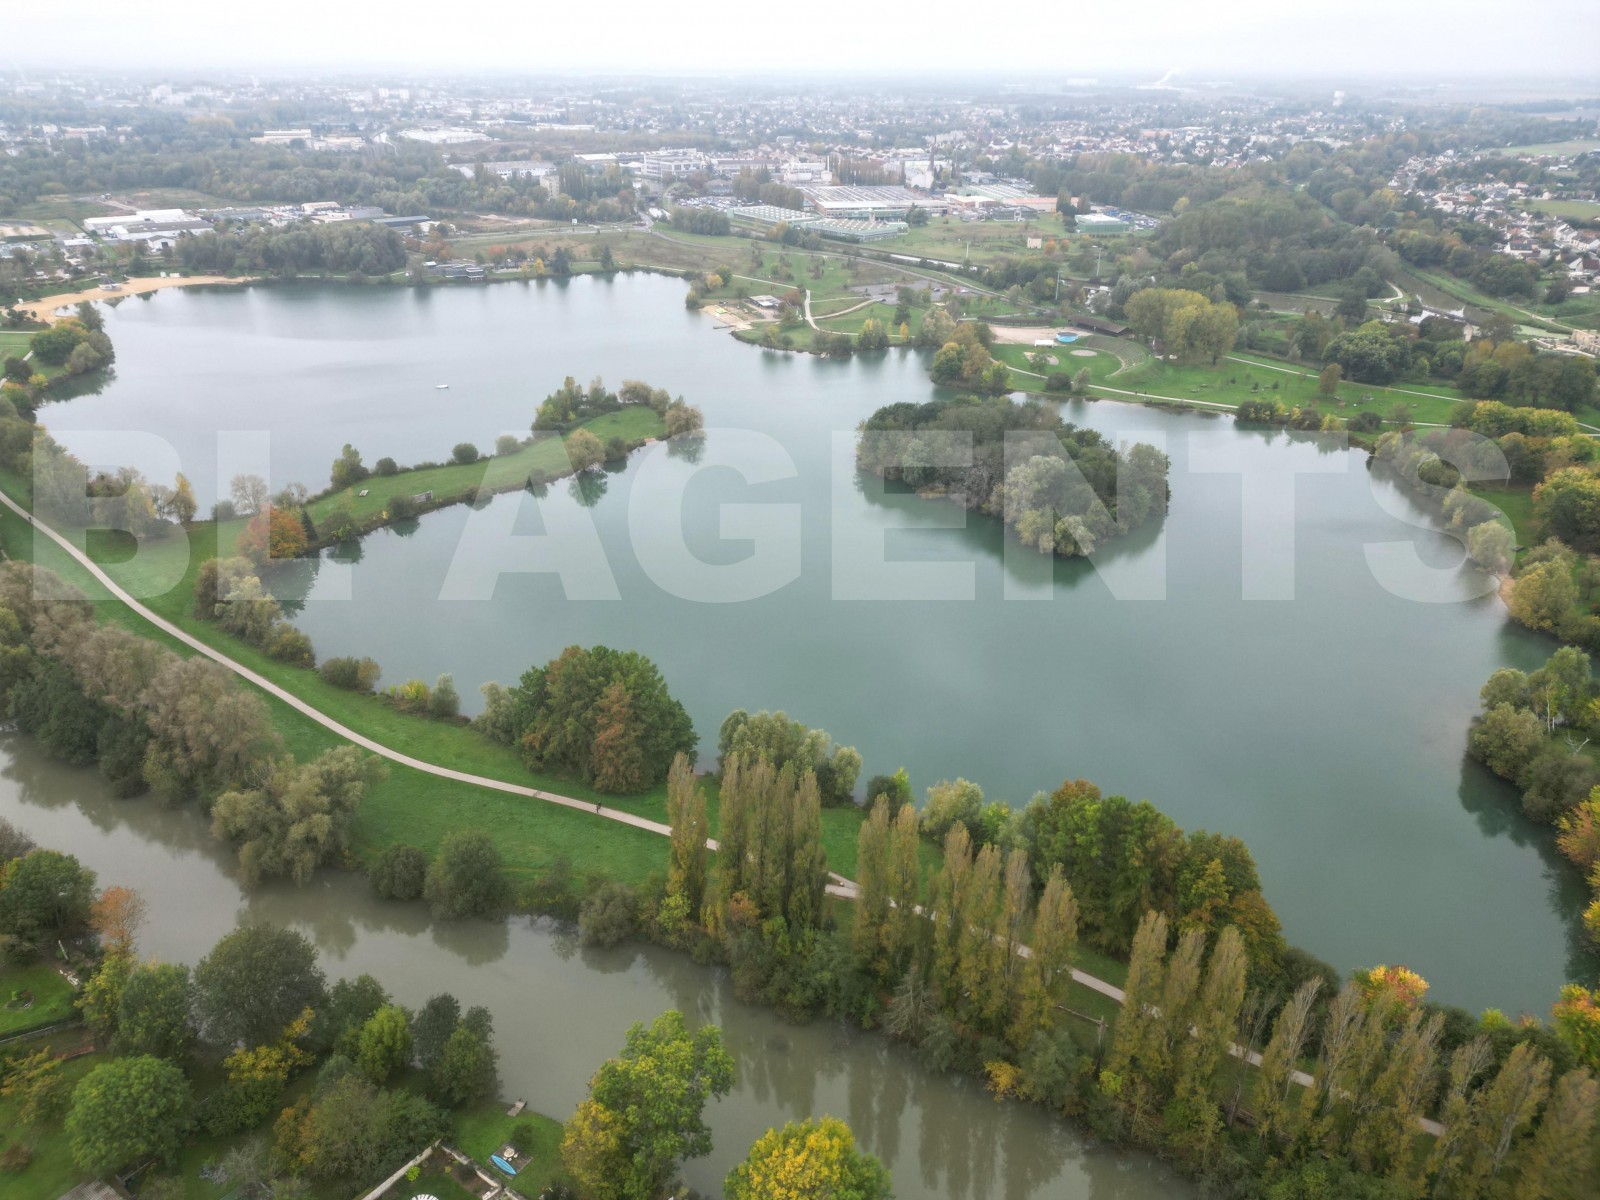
(441, 387)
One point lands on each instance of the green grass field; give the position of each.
(497, 473)
(1568, 210)
(1556, 149)
(14, 342)
(52, 997)
(483, 1130)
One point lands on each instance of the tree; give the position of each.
(399, 873)
(619, 763)
(686, 814)
(584, 450)
(347, 468)
(645, 1110)
(43, 894)
(249, 493)
(1328, 379)
(558, 708)
(272, 535)
(300, 817)
(431, 1029)
(254, 983)
(384, 1045)
(205, 733)
(1506, 740)
(808, 1160)
(465, 1070)
(127, 1110)
(116, 917)
(181, 506)
(154, 1013)
(1491, 546)
(38, 1087)
(872, 891)
(466, 878)
(1567, 506)
(100, 1002)
(350, 1130)
(464, 454)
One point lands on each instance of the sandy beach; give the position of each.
(49, 309)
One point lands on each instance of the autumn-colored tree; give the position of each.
(1123, 1074)
(100, 1001)
(1556, 1162)
(620, 764)
(686, 814)
(273, 535)
(116, 916)
(808, 1160)
(1577, 1021)
(274, 1061)
(38, 1087)
(949, 900)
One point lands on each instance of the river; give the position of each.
(560, 1010)
(1292, 657)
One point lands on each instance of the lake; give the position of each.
(1291, 657)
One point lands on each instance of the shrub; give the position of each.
(353, 674)
(16, 1158)
(238, 1105)
(412, 695)
(399, 873)
(402, 506)
(290, 645)
(609, 916)
(464, 454)
(1058, 383)
(224, 510)
(616, 449)
(1364, 422)
(507, 443)
(444, 702)
(385, 466)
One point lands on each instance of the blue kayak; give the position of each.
(502, 1164)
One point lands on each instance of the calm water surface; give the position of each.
(1280, 691)
(560, 1010)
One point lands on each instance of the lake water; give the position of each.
(1292, 656)
(560, 1010)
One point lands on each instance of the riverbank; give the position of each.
(48, 309)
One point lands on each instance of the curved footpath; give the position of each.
(840, 886)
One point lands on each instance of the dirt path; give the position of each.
(46, 309)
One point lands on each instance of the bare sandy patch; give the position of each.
(49, 309)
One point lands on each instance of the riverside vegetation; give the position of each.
(253, 1072)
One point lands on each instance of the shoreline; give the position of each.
(49, 308)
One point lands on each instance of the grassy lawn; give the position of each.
(14, 342)
(483, 1130)
(1564, 149)
(1236, 379)
(1570, 210)
(52, 1171)
(52, 997)
(497, 473)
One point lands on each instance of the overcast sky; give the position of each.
(1076, 38)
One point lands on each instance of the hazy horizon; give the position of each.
(1249, 40)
